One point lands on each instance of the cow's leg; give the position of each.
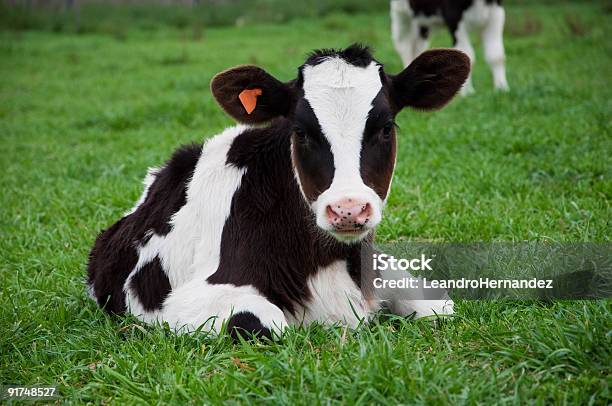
(462, 43)
(402, 30)
(199, 304)
(417, 301)
(493, 43)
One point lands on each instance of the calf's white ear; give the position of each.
(251, 95)
(431, 80)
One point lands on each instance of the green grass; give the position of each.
(117, 18)
(83, 116)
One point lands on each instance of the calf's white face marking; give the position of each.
(341, 95)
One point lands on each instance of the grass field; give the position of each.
(83, 116)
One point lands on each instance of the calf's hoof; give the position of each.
(433, 308)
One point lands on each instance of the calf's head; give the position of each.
(342, 107)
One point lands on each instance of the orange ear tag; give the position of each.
(248, 98)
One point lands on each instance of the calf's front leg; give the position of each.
(406, 302)
(245, 311)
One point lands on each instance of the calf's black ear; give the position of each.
(251, 95)
(431, 80)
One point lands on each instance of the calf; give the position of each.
(411, 21)
(262, 226)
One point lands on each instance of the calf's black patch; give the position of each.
(168, 193)
(378, 147)
(151, 285)
(312, 154)
(247, 326)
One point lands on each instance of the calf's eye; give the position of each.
(387, 130)
(300, 134)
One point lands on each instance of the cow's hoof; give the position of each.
(502, 87)
(247, 326)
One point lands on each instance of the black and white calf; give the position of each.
(411, 21)
(262, 226)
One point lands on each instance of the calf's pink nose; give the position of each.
(349, 214)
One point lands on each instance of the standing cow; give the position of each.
(411, 21)
(262, 226)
